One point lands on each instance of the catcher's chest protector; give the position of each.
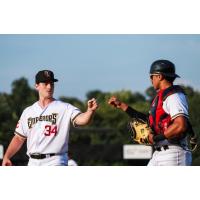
(159, 120)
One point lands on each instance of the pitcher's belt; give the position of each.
(42, 156)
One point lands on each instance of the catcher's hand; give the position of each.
(140, 131)
(113, 101)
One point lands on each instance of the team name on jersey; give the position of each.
(48, 118)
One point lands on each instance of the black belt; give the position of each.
(160, 148)
(42, 156)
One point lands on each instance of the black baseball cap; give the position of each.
(45, 76)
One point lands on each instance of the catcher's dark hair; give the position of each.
(169, 79)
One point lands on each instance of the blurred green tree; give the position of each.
(101, 142)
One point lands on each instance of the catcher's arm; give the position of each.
(113, 101)
(138, 126)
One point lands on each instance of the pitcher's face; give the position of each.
(45, 90)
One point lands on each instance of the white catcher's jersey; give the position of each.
(47, 130)
(176, 105)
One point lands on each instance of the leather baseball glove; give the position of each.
(193, 139)
(139, 130)
(193, 143)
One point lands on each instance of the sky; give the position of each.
(107, 62)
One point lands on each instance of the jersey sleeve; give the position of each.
(20, 129)
(74, 113)
(176, 105)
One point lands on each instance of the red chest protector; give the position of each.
(159, 120)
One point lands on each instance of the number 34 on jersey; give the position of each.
(50, 130)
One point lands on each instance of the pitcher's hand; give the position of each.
(92, 105)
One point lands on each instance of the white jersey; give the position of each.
(176, 105)
(47, 130)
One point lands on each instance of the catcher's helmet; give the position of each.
(164, 67)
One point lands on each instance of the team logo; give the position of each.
(47, 74)
(48, 118)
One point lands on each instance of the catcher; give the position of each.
(167, 126)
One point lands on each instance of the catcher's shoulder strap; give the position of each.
(162, 95)
(172, 90)
(157, 113)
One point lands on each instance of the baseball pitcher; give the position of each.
(45, 126)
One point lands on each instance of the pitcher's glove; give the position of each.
(139, 130)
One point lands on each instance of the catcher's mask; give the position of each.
(164, 67)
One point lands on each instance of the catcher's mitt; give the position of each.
(193, 143)
(193, 139)
(139, 130)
